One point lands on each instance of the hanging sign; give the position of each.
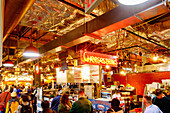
(98, 59)
(90, 5)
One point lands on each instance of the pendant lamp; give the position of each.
(8, 63)
(31, 51)
(132, 2)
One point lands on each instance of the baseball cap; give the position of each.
(13, 94)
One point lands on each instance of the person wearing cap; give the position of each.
(56, 101)
(13, 99)
(162, 102)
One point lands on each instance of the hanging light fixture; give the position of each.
(31, 51)
(8, 63)
(132, 2)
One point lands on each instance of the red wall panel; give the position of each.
(139, 80)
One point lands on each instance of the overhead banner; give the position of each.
(98, 59)
(91, 4)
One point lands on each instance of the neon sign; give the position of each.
(98, 59)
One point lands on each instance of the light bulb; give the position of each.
(155, 58)
(164, 60)
(107, 66)
(122, 73)
(132, 2)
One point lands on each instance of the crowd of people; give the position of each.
(18, 99)
(159, 104)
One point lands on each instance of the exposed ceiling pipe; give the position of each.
(129, 48)
(118, 18)
(72, 4)
(14, 11)
(145, 38)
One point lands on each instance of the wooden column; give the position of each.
(100, 82)
(2, 2)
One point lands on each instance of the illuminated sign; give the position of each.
(37, 69)
(91, 4)
(98, 59)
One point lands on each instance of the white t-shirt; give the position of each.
(118, 96)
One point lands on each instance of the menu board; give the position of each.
(94, 74)
(61, 76)
(70, 75)
(77, 74)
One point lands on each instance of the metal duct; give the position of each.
(120, 17)
(14, 11)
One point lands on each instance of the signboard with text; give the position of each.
(90, 5)
(98, 59)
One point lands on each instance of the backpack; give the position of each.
(13, 106)
(26, 109)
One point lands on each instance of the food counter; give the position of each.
(102, 105)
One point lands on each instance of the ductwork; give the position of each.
(120, 17)
(14, 11)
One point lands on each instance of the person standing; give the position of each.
(150, 108)
(117, 95)
(4, 98)
(12, 104)
(65, 105)
(55, 102)
(82, 105)
(19, 92)
(162, 102)
(115, 106)
(46, 109)
(25, 106)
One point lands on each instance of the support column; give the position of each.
(37, 75)
(100, 82)
(2, 3)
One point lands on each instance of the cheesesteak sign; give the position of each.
(98, 59)
(90, 5)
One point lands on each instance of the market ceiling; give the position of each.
(60, 23)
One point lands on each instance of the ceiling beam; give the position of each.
(120, 17)
(14, 11)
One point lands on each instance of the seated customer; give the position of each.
(46, 109)
(115, 107)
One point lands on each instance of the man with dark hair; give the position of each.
(46, 107)
(82, 105)
(115, 107)
(25, 106)
(150, 108)
(56, 101)
(162, 102)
